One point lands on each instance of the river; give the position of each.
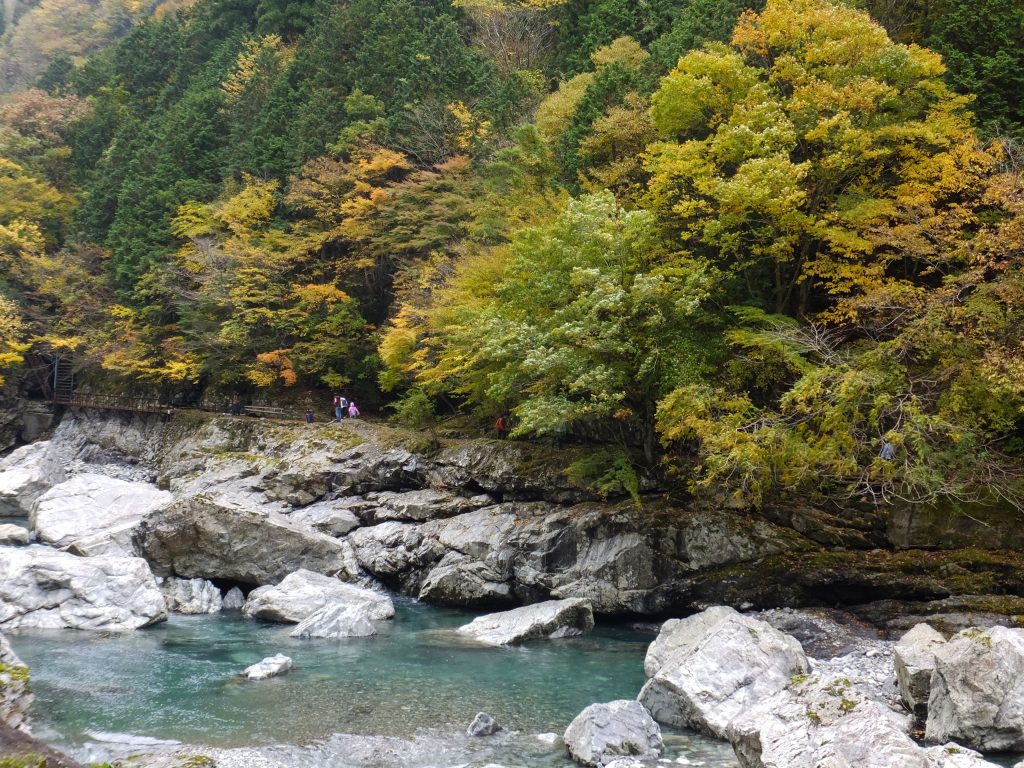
(403, 697)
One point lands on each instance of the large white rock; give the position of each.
(977, 691)
(45, 588)
(302, 593)
(338, 620)
(94, 508)
(15, 691)
(12, 535)
(914, 658)
(234, 600)
(541, 621)
(603, 732)
(25, 475)
(191, 596)
(272, 666)
(707, 669)
(827, 723)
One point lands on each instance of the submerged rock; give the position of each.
(977, 691)
(337, 620)
(603, 732)
(542, 621)
(191, 596)
(15, 691)
(49, 589)
(483, 725)
(707, 669)
(25, 475)
(302, 593)
(915, 662)
(272, 666)
(201, 537)
(14, 535)
(96, 508)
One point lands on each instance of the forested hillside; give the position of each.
(771, 250)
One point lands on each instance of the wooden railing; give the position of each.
(111, 402)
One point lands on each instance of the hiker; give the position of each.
(235, 409)
(338, 413)
(353, 411)
(344, 407)
(309, 415)
(501, 427)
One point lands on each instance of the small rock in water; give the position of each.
(233, 600)
(272, 666)
(483, 725)
(548, 738)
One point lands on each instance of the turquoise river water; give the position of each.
(412, 690)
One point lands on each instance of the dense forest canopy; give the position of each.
(770, 248)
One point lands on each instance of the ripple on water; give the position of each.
(414, 681)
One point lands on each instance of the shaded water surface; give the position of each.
(179, 680)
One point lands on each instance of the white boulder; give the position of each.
(602, 733)
(303, 593)
(234, 600)
(191, 596)
(25, 475)
(914, 658)
(826, 721)
(541, 621)
(707, 669)
(13, 535)
(94, 509)
(977, 691)
(272, 666)
(337, 620)
(45, 588)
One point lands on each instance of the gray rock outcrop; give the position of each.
(25, 475)
(191, 596)
(338, 620)
(15, 691)
(977, 691)
(707, 669)
(915, 661)
(603, 732)
(303, 593)
(14, 535)
(483, 725)
(272, 666)
(327, 517)
(827, 722)
(200, 537)
(543, 621)
(48, 589)
(96, 510)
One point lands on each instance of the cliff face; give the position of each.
(486, 522)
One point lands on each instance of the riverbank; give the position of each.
(486, 523)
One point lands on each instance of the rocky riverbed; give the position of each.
(135, 520)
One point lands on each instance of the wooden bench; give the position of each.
(264, 410)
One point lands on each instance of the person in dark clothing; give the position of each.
(309, 415)
(501, 426)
